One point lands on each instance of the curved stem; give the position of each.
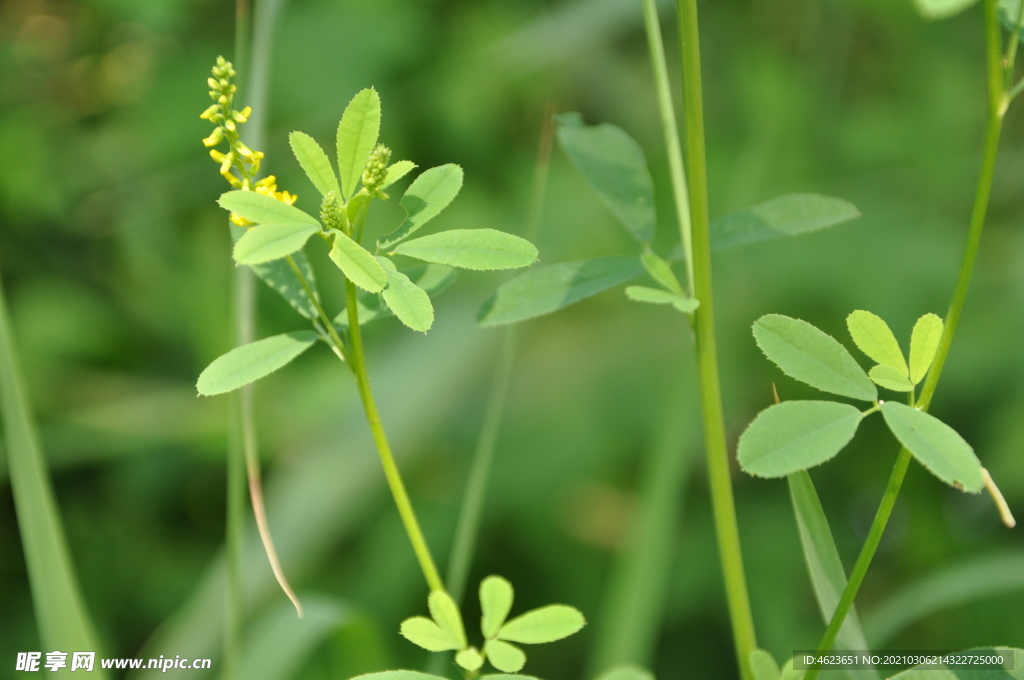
(716, 448)
(357, 363)
(996, 109)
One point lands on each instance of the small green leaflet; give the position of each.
(397, 171)
(504, 657)
(824, 565)
(314, 162)
(615, 166)
(661, 272)
(446, 614)
(496, 595)
(891, 379)
(546, 289)
(936, 445)
(924, 343)
(432, 278)
(357, 135)
(940, 9)
(627, 673)
(409, 302)
(470, 659)
(358, 265)
(874, 337)
(247, 363)
(546, 624)
(426, 197)
(659, 296)
(398, 675)
(421, 631)
(266, 242)
(263, 209)
(481, 249)
(764, 666)
(809, 355)
(1013, 668)
(796, 435)
(788, 215)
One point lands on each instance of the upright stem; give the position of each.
(996, 110)
(357, 363)
(716, 448)
(671, 132)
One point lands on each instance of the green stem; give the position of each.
(671, 132)
(996, 109)
(357, 363)
(716, 448)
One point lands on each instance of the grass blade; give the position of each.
(60, 610)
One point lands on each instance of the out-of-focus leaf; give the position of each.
(810, 355)
(891, 379)
(357, 264)
(504, 657)
(615, 166)
(627, 673)
(397, 171)
(481, 249)
(470, 659)
(661, 272)
(247, 363)
(61, 616)
(266, 242)
(874, 337)
(263, 209)
(426, 197)
(924, 343)
(398, 675)
(496, 595)
(940, 9)
(764, 666)
(789, 215)
(357, 135)
(280, 642)
(315, 163)
(547, 624)
(796, 435)
(1013, 668)
(546, 289)
(282, 280)
(824, 566)
(936, 445)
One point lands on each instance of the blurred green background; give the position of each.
(116, 262)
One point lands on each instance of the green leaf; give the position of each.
(279, 276)
(397, 171)
(940, 9)
(503, 656)
(1013, 668)
(658, 296)
(874, 337)
(891, 379)
(505, 676)
(248, 363)
(426, 197)
(482, 249)
(823, 563)
(809, 355)
(547, 624)
(686, 305)
(358, 265)
(266, 242)
(789, 215)
(61, 617)
(627, 673)
(356, 205)
(614, 165)
(936, 445)
(789, 673)
(432, 278)
(425, 633)
(496, 595)
(796, 435)
(357, 135)
(398, 675)
(547, 289)
(409, 302)
(446, 614)
(764, 666)
(263, 209)
(924, 343)
(315, 163)
(661, 272)
(470, 659)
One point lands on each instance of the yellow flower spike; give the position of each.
(215, 137)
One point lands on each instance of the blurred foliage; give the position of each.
(116, 259)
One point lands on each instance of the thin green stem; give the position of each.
(996, 109)
(716, 448)
(357, 363)
(671, 131)
(332, 332)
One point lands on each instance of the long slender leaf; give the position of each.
(315, 163)
(547, 289)
(481, 249)
(824, 565)
(357, 135)
(247, 363)
(61, 616)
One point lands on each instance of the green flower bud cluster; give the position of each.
(376, 169)
(330, 213)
